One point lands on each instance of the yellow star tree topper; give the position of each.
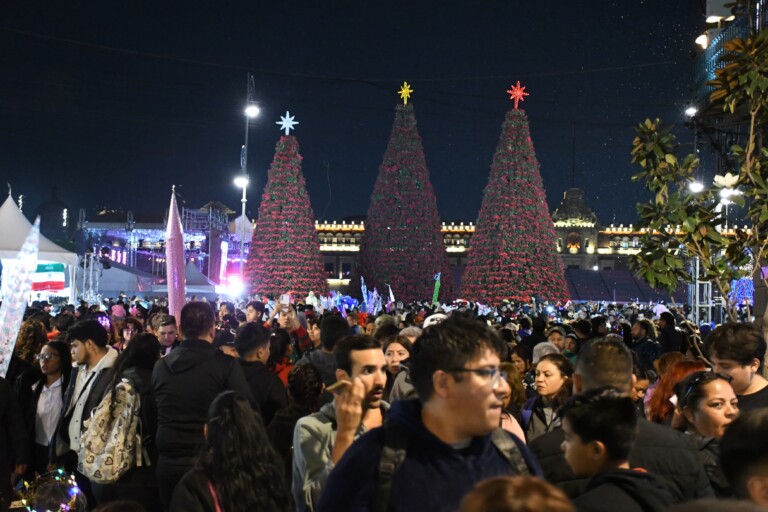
(405, 92)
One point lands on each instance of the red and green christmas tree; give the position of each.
(285, 251)
(402, 246)
(513, 253)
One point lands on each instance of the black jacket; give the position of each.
(185, 382)
(670, 339)
(280, 434)
(626, 490)
(22, 375)
(192, 494)
(667, 453)
(165, 350)
(14, 445)
(29, 407)
(534, 339)
(709, 454)
(267, 388)
(648, 350)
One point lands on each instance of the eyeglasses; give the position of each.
(493, 374)
(130, 329)
(701, 378)
(46, 357)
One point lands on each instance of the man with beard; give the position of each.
(320, 440)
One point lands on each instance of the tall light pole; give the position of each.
(251, 111)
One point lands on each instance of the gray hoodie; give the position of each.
(313, 440)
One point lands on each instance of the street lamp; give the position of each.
(691, 111)
(695, 186)
(251, 111)
(725, 195)
(242, 182)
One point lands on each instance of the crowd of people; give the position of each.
(277, 406)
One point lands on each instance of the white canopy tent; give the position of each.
(14, 228)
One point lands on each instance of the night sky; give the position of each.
(114, 102)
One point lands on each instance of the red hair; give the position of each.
(660, 409)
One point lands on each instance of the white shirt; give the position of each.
(85, 377)
(49, 406)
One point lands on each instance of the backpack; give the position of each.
(396, 446)
(111, 443)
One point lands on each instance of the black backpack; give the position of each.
(396, 447)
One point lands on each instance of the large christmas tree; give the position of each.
(285, 251)
(402, 245)
(513, 252)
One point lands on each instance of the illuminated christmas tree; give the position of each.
(285, 251)
(513, 253)
(402, 245)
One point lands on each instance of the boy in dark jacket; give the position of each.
(600, 428)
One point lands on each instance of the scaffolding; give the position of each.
(212, 223)
(92, 266)
(203, 221)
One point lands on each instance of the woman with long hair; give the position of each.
(553, 387)
(512, 403)
(134, 366)
(707, 404)
(43, 412)
(521, 357)
(22, 371)
(237, 469)
(661, 409)
(660, 366)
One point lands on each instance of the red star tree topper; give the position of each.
(513, 252)
(285, 252)
(517, 93)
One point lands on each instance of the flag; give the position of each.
(48, 276)
(437, 288)
(364, 290)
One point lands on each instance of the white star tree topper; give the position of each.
(287, 122)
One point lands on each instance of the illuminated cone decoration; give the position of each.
(513, 253)
(175, 261)
(402, 245)
(17, 282)
(285, 251)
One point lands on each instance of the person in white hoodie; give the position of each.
(89, 342)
